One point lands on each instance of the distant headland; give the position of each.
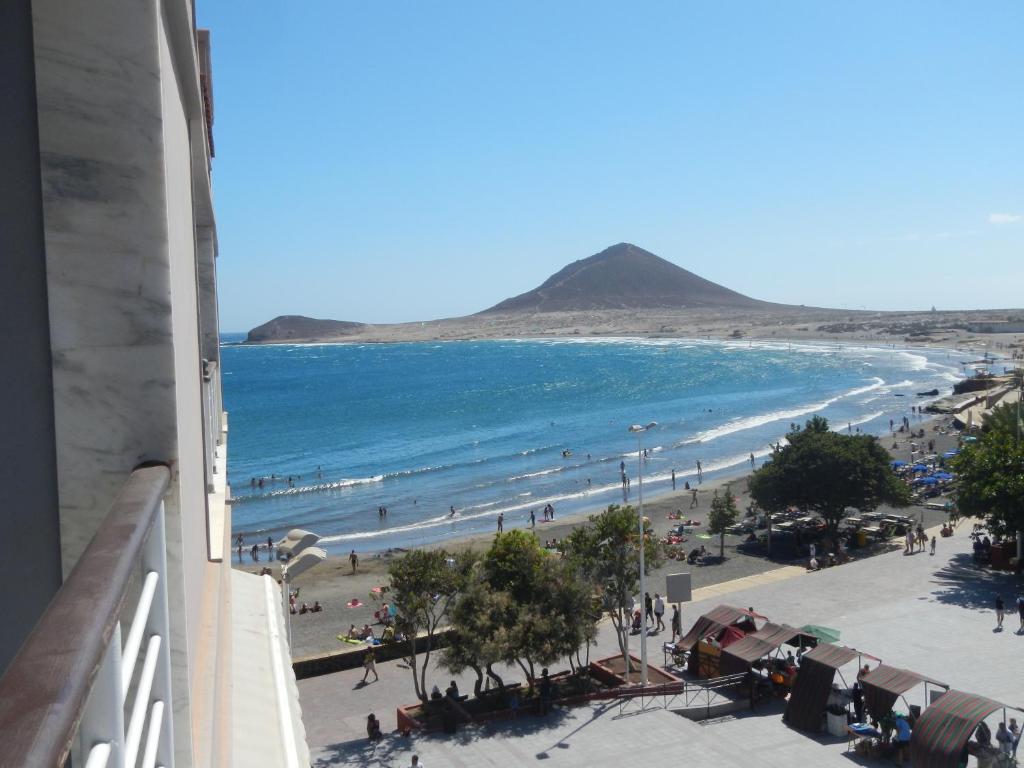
(627, 291)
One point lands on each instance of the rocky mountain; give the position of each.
(297, 327)
(625, 276)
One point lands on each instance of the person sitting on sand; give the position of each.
(304, 608)
(316, 607)
(353, 633)
(366, 633)
(388, 635)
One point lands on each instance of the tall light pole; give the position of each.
(639, 430)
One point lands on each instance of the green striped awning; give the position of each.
(943, 729)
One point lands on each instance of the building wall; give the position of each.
(117, 90)
(30, 571)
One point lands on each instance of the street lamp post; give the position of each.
(639, 430)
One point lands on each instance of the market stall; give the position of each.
(884, 685)
(944, 729)
(813, 685)
(741, 655)
(713, 631)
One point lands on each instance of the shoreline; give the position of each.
(784, 323)
(333, 584)
(373, 542)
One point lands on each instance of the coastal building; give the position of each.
(127, 637)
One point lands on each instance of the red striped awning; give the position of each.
(943, 729)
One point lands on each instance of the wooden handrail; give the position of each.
(45, 688)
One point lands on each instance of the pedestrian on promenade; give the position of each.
(659, 611)
(545, 692)
(1000, 611)
(677, 626)
(370, 665)
(933, 545)
(373, 728)
(648, 609)
(353, 558)
(1020, 610)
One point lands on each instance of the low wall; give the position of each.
(351, 656)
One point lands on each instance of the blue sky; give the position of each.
(394, 161)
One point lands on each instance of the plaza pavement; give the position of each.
(929, 614)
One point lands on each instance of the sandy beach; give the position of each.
(333, 584)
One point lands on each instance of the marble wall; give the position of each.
(117, 88)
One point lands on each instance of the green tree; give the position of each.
(1004, 418)
(722, 516)
(606, 554)
(479, 630)
(424, 584)
(990, 473)
(519, 605)
(827, 472)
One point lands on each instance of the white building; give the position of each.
(113, 499)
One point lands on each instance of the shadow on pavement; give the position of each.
(395, 747)
(964, 584)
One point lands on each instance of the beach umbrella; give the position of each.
(927, 481)
(825, 634)
(920, 468)
(950, 454)
(970, 439)
(943, 476)
(898, 464)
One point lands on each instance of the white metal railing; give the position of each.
(104, 737)
(67, 691)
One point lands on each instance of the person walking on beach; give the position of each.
(1000, 611)
(533, 519)
(700, 472)
(353, 558)
(270, 548)
(659, 611)
(677, 625)
(673, 479)
(254, 553)
(1020, 610)
(501, 521)
(370, 665)
(693, 499)
(751, 460)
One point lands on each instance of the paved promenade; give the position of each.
(929, 614)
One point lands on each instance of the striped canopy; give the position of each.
(739, 656)
(812, 686)
(884, 684)
(943, 729)
(713, 621)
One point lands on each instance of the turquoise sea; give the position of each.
(482, 425)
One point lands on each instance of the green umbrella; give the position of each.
(825, 634)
